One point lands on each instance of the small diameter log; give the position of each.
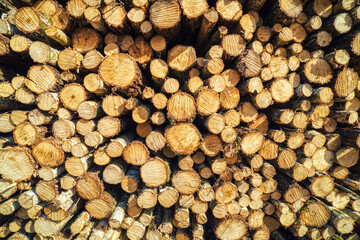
(130, 182)
(278, 66)
(318, 71)
(80, 222)
(116, 147)
(347, 156)
(28, 199)
(47, 191)
(91, 61)
(178, 137)
(114, 172)
(343, 88)
(269, 150)
(226, 193)
(136, 230)
(48, 154)
(229, 12)
(251, 143)
(321, 186)
(110, 126)
(69, 59)
(63, 205)
(209, 20)
(85, 233)
(93, 16)
(28, 20)
(26, 134)
(281, 90)
(168, 196)
(342, 222)
(118, 214)
(158, 45)
(9, 206)
(141, 51)
(147, 197)
(18, 43)
(46, 227)
(208, 102)
(7, 188)
(249, 64)
(76, 166)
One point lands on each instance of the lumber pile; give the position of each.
(189, 119)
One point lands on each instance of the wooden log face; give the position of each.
(183, 138)
(48, 154)
(27, 20)
(136, 153)
(181, 106)
(43, 78)
(165, 15)
(318, 71)
(186, 182)
(119, 70)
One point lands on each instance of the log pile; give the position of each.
(190, 119)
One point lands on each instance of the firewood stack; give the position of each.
(165, 119)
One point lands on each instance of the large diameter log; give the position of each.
(72, 95)
(126, 78)
(186, 182)
(89, 186)
(183, 138)
(16, 164)
(155, 172)
(48, 154)
(42, 78)
(180, 59)
(181, 107)
(136, 153)
(318, 71)
(101, 207)
(208, 102)
(231, 228)
(28, 20)
(249, 64)
(346, 82)
(165, 17)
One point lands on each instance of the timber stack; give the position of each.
(189, 119)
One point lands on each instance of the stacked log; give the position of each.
(188, 119)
